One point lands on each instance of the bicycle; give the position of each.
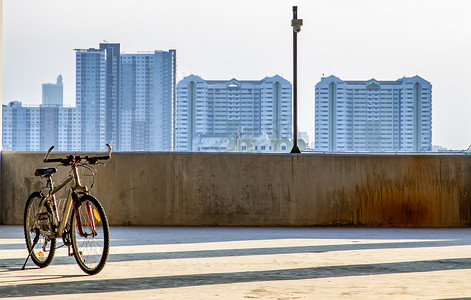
(82, 224)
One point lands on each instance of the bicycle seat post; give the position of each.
(49, 182)
(52, 202)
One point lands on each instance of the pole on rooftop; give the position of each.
(296, 23)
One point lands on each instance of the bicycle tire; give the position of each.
(44, 250)
(90, 252)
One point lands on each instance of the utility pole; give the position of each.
(296, 23)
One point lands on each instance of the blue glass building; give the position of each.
(52, 93)
(91, 97)
(147, 101)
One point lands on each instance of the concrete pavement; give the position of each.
(252, 263)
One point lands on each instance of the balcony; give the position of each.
(205, 189)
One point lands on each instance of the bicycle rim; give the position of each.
(91, 245)
(43, 252)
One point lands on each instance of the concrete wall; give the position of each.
(173, 189)
(1, 91)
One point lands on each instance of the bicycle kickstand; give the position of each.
(35, 241)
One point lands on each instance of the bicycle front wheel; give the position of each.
(37, 226)
(90, 235)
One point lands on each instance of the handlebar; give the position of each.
(108, 156)
(70, 158)
(46, 158)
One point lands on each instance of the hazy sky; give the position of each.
(251, 39)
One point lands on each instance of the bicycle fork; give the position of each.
(91, 220)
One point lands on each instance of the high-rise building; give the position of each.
(59, 127)
(113, 61)
(147, 101)
(68, 129)
(126, 100)
(33, 128)
(373, 115)
(219, 107)
(53, 93)
(14, 130)
(48, 126)
(91, 98)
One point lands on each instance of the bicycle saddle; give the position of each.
(44, 171)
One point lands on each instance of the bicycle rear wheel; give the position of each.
(37, 224)
(90, 237)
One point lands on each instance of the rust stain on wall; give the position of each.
(423, 195)
(464, 199)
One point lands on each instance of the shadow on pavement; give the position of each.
(9, 263)
(160, 282)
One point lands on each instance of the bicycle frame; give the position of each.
(72, 199)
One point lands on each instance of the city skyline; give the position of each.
(235, 115)
(125, 100)
(421, 38)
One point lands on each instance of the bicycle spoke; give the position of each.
(36, 226)
(90, 247)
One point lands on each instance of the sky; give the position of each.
(252, 39)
